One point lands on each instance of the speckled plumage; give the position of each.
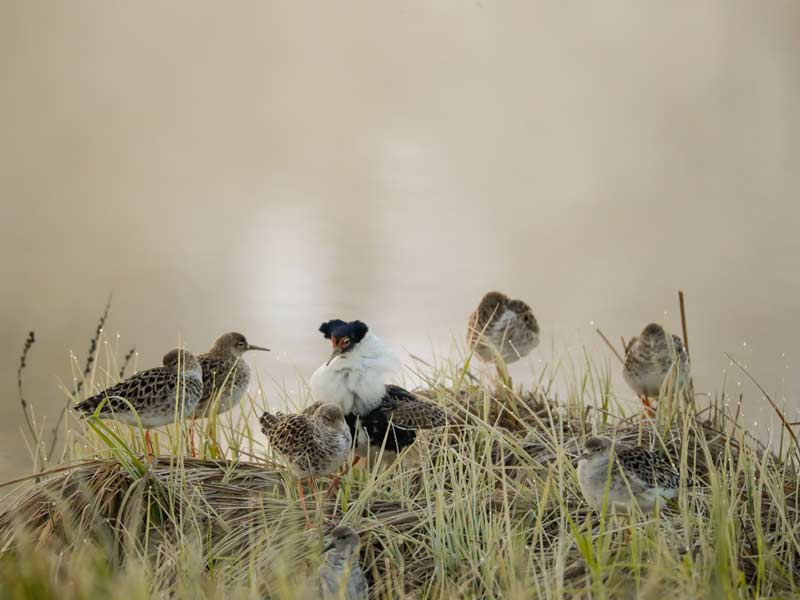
(340, 574)
(227, 376)
(408, 411)
(225, 373)
(636, 473)
(651, 358)
(503, 325)
(397, 419)
(152, 393)
(313, 444)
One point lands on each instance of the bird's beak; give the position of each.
(583, 456)
(328, 547)
(336, 352)
(252, 347)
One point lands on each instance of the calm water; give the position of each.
(266, 168)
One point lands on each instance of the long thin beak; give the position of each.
(328, 547)
(252, 347)
(336, 352)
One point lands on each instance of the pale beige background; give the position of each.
(264, 166)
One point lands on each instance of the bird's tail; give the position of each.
(268, 422)
(88, 406)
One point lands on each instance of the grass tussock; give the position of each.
(489, 507)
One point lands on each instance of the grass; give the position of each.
(491, 507)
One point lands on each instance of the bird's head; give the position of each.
(653, 330)
(492, 304)
(344, 336)
(233, 344)
(331, 416)
(180, 358)
(596, 445)
(343, 539)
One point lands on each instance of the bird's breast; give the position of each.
(354, 390)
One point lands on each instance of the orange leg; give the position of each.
(334, 486)
(303, 502)
(648, 407)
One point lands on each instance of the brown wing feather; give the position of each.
(525, 313)
(490, 307)
(287, 433)
(409, 412)
(142, 383)
(651, 467)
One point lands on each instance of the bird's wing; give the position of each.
(289, 433)
(358, 588)
(409, 412)
(335, 582)
(490, 307)
(269, 421)
(647, 468)
(141, 384)
(524, 312)
(219, 371)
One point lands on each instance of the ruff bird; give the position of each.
(629, 474)
(502, 326)
(153, 397)
(656, 360)
(226, 374)
(313, 445)
(340, 576)
(354, 378)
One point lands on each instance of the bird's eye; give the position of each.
(345, 342)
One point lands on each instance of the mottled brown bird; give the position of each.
(226, 375)
(502, 326)
(354, 378)
(655, 359)
(312, 445)
(153, 397)
(637, 475)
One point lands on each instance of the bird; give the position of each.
(502, 326)
(313, 445)
(501, 331)
(225, 373)
(340, 575)
(153, 397)
(354, 378)
(636, 476)
(653, 358)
